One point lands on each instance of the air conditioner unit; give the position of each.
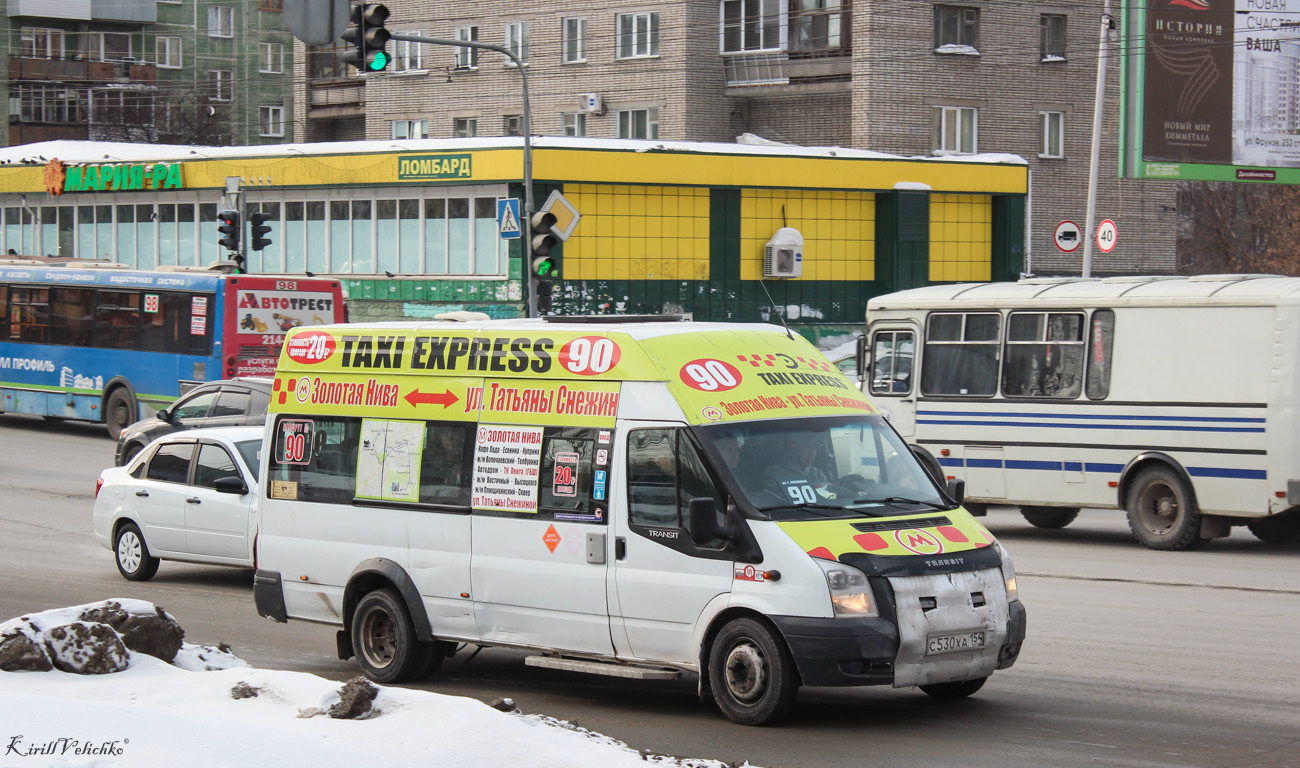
(591, 102)
(783, 254)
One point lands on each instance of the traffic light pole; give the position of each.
(528, 141)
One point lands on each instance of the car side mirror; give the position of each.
(165, 415)
(860, 358)
(702, 522)
(956, 490)
(232, 484)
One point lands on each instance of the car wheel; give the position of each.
(130, 452)
(384, 640)
(119, 412)
(132, 555)
(751, 674)
(1161, 512)
(1049, 517)
(952, 691)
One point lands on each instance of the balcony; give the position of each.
(81, 71)
(335, 100)
(778, 72)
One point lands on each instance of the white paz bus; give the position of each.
(1176, 399)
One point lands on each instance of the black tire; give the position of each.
(1050, 517)
(384, 640)
(1161, 511)
(130, 452)
(954, 691)
(1282, 528)
(131, 554)
(976, 510)
(120, 411)
(753, 678)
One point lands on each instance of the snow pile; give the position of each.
(208, 708)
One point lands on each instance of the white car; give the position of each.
(187, 496)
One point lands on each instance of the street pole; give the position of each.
(1094, 161)
(528, 146)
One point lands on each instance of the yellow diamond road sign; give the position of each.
(566, 216)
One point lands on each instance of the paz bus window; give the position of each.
(1044, 355)
(891, 362)
(1101, 341)
(961, 354)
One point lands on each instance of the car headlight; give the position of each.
(850, 591)
(1008, 572)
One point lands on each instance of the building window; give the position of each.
(1051, 37)
(575, 124)
(1052, 125)
(513, 125)
(574, 41)
(956, 29)
(638, 35)
(270, 5)
(46, 104)
(221, 85)
(751, 25)
(410, 129)
(326, 62)
(110, 46)
(464, 127)
(406, 54)
(168, 52)
(271, 121)
(638, 123)
(467, 58)
(40, 43)
(819, 25)
(955, 130)
(517, 41)
(271, 58)
(221, 21)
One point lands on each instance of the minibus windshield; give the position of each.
(841, 466)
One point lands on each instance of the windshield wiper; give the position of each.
(815, 508)
(902, 500)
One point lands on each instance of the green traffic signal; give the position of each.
(545, 266)
(378, 61)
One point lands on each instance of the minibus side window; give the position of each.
(1044, 355)
(566, 476)
(1101, 343)
(891, 362)
(961, 354)
(446, 463)
(317, 463)
(652, 477)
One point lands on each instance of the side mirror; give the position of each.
(702, 522)
(860, 358)
(165, 415)
(232, 484)
(956, 490)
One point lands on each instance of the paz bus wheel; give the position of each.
(1282, 528)
(1161, 511)
(1049, 517)
(384, 640)
(119, 412)
(752, 676)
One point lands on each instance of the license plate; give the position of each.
(966, 641)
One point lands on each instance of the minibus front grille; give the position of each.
(899, 525)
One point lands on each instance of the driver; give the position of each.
(797, 463)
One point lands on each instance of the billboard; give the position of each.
(1211, 90)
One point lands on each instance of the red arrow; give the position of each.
(446, 399)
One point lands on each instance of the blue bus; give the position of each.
(98, 343)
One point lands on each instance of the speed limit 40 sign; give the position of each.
(1106, 236)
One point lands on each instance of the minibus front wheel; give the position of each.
(753, 678)
(384, 639)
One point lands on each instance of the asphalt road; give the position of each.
(1133, 658)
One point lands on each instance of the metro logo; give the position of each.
(311, 347)
(920, 542)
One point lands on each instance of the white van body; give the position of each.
(1174, 398)
(569, 488)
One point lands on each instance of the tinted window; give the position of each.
(652, 477)
(260, 401)
(171, 463)
(195, 406)
(566, 471)
(1044, 355)
(961, 355)
(251, 451)
(446, 463)
(214, 463)
(1101, 342)
(230, 402)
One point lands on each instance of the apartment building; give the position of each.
(209, 72)
(906, 77)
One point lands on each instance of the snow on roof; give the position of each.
(71, 152)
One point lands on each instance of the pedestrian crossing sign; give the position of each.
(508, 218)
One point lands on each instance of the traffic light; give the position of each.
(229, 229)
(541, 241)
(544, 289)
(257, 238)
(367, 36)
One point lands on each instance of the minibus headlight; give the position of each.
(1008, 572)
(850, 591)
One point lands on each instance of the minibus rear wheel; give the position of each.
(1050, 517)
(1161, 511)
(384, 640)
(753, 678)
